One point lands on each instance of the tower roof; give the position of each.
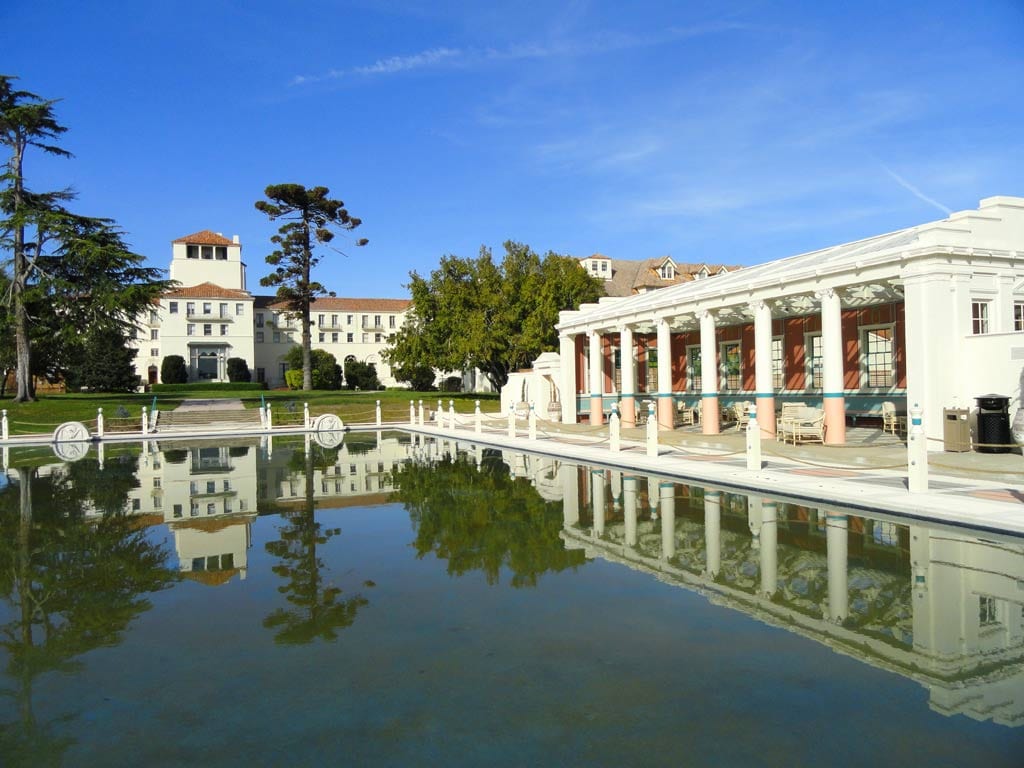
(205, 237)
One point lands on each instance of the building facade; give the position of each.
(931, 315)
(212, 317)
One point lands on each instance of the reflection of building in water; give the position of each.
(358, 472)
(940, 606)
(206, 495)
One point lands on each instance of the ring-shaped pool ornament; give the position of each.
(71, 441)
(327, 422)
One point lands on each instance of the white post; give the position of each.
(511, 421)
(422, 422)
(614, 443)
(378, 413)
(917, 453)
(99, 423)
(753, 441)
(533, 421)
(439, 414)
(270, 418)
(145, 421)
(451, 415)
(6, 433)
(652, 431)
(100, 447)
(412, 413)
(479, 425)
(305, 415)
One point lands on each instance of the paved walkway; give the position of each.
(213, 404)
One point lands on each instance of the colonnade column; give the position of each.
(708, 375)
(666, 408)
(596, 379)
(630, 496)
(713, 532)
(667, 506)
(832, 383)
(627, 405)
(765, 392)
(836, 544)
(769, 548)
(567, 385)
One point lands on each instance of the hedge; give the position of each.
(235, 386)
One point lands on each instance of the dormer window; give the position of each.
(701, 273)
(604, 266)
(667, 271)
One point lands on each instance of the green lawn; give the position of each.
(49, 411)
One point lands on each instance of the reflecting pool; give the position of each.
(394, 601)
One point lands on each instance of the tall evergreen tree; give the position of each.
(310, 216)
(26, 120)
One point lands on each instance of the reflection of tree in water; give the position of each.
(317, 610)
(73, 584)
(483, 520)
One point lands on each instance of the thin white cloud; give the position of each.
(392, 64)
(916, 192)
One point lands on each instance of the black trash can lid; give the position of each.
(992, 401)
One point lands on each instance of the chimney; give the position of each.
(220, 234)
(235, 240)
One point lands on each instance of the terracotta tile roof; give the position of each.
(206, 237)
(341, 304)
(207, 291)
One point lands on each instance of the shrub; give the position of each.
(293, 378)
(238, 369)
(326, 371)
(173, 370)
(209, 386)
(420, 377)
(452, 384)
(361, 375)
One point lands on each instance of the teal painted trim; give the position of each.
(709, 394)
(712, 494)
(833, 394)
(666, 485)
(765, 394)
(662, 394)
(596, 394)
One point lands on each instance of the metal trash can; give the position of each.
(956, 430)
(994, 424)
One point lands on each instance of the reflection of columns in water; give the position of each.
(713, 531)
(616, 488)
(479, 454)
(836, 532)
(569, 475)
(597, 500)
(769, 547)
(652, 496)
(519, 465)
(630, 496)
(667, 493)
(629, 514)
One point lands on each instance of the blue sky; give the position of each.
(718, 132)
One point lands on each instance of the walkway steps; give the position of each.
(177, 418)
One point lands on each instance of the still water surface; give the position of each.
(388, 602)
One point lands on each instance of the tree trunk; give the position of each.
(307, 355)
(19, 278)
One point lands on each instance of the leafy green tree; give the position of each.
(419, 377)
(67, 271)
(483, 520)
(238, 369)
(173, 370)
(359, 375)
(311, 216)
(473, 313)
(326, 371)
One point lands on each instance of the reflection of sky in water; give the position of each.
(601, 661)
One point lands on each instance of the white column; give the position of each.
(569, 476)
(832, 384)
(567, 365)
(713, 532)
(769, 548)
(709, 375)
(666, 406)
(596, 379)
(765, 392)
(836, 544)
(626, 352)
(667, 507)
(629, 515)
(597, 500)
